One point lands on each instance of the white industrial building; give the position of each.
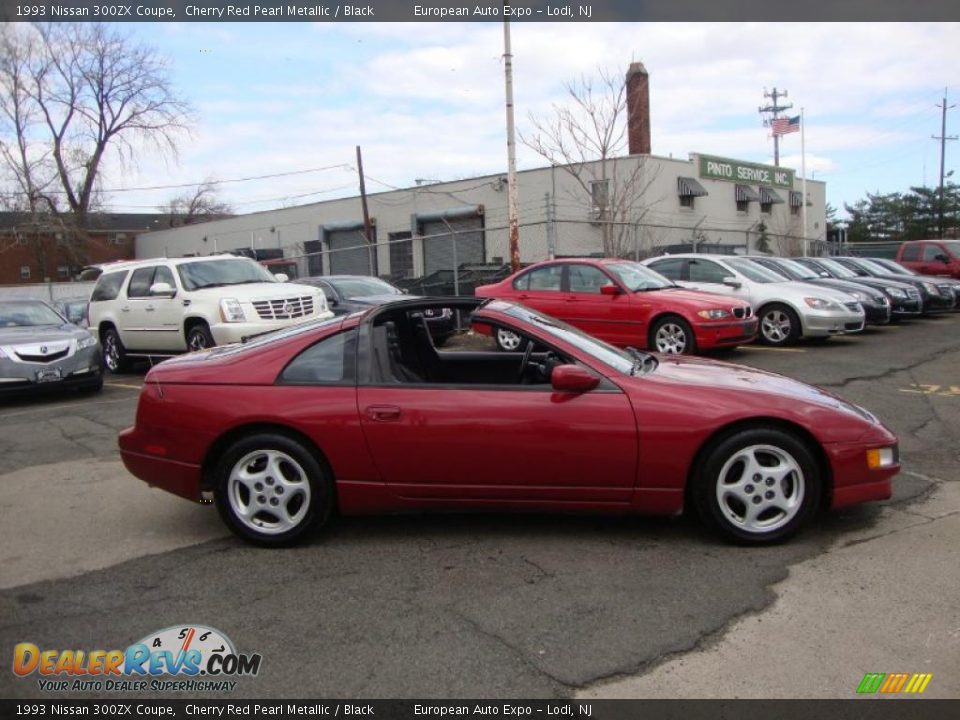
(634, 206)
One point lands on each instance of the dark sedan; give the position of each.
(40, 350)
(936, 296)
(905, 301)
(351, 293)
(896, 269)
(876, 304)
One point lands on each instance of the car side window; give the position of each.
(164, 275)
(931, 252)
(586, 279)
(671, 268)
(140, 282)
(707, 271)
(332, 361)
(108, 286)
(911, 252)
(544, 279)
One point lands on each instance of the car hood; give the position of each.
(757, 391)
(255, 291)
(376, 299)
(805, 289)
(51, 333)
(694, 299)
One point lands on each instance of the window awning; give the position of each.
(796, 199)
(688, 187)
(745, 193)
(768, 196)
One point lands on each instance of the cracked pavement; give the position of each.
(505, 605)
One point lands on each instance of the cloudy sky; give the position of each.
(426, 101)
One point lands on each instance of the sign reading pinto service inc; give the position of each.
(717, 168)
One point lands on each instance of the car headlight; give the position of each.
(881, 457)
(231, 311)
(895, 292)
(820, 303)
(931, 288)
(862, 297)
(84, 343)
(714, 314)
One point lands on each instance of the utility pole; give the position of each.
(551, 227)
(366, 214)
(514, 220)
(774, 109)
(943, 148)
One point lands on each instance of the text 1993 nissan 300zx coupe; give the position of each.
(284, 429)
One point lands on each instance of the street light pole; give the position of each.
(514, 221)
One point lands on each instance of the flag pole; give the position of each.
(803, 179)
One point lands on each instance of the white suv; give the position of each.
(167, 306)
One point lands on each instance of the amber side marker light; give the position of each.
(881, 458)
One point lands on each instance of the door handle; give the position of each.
(573, 298)
(125, 309)
(150, 309)
(522, 297)
(383, 412)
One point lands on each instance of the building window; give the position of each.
(401, 254)
(63, 271)
(743, 205)
(600, 194)
(119, 238)
(686, 201)
(21, 239)
(766, 208)
(794, 209)
(24, 272)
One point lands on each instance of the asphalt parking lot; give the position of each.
(506, 605)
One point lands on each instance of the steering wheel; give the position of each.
(550, 361)
(527, 354)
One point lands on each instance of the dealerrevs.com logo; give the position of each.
(181, 658)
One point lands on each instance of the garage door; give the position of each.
(438, 252)
(349, 253)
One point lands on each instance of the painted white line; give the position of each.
(123, 385)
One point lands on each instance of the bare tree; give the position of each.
(198, 206)
(70, 95)
(587, 139)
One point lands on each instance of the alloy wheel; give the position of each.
(671, 338)
(760, 488)
(776, 326)
(269, 492)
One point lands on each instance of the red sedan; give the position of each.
(626, 304)
(284, 429)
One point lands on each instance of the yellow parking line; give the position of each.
(123, 385)
(770, 349)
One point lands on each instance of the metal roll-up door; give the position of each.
(349, 252)
(438, 243)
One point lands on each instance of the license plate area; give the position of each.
(49, 375)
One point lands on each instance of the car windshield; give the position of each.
(620, 360)
(363, 287)
(895, 267)
(28, 314)
(873, 267)
(637, 277)
(953, 247)
(798, 270)
(217, 273)
(754, 272)
(838, 269)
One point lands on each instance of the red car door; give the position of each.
(613, 318)
(475, 442)
(540, 289)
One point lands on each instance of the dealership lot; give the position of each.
(500, 605)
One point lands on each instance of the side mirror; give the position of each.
(331, 301)
(282, 277)
(732, 282)
(573, 379)
(610, 290)
(162, 289)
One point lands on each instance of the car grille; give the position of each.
(284, 308)
(945, 290)
(855, 306)
(742, 312)
(913, 293)
(48, 358)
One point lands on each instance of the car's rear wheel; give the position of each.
(672, 335)
(779, 325)
(507, 340)
(114, 353)
(272, 490)
(757, 486)
(199, 337)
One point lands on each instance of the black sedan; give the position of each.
(904, 298)
(876, 304)
(897, 269)
(349, 293)
(937, 296)
(40, 350)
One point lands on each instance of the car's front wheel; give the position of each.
(272, 490)
(114, 353)
(779, 325)
(199, 337)
(672, 335)
(757, 486)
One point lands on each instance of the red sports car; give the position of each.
(626, 304)
(284, 429)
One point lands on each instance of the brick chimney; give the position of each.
(638, 109)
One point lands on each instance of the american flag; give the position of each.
(782, 126)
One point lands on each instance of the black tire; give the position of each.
(672, 334)
(727, 500)
(199, 337)
(779, 324)
(114, 353)
(93, 387)
(275, 518)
